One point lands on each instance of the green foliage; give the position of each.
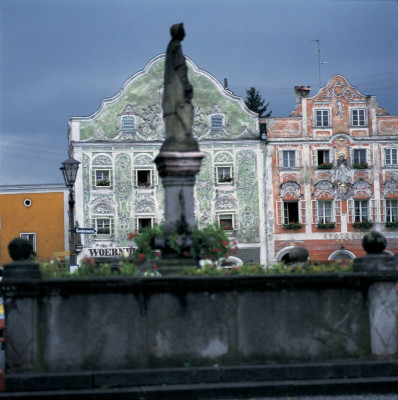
(256, 103)
(392, 224)
(293, 225)
(362, 224)
(325, 165)
(361, 165)
(326, 225)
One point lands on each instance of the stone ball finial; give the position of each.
(20, 249)
(298, 254)
(374, 242)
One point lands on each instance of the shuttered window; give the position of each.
(128, 124)
(217, 122)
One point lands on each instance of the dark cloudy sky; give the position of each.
(59, 58)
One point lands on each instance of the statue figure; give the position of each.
(340, 174)
(178, 93)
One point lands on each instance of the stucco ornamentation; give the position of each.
(290, 189)
(143, 199)
(225, 205)
(339, 89)
(390, 188)
(102, 199)
(247, 231)
(223, 158)
(143, 160)
(323, 189)
(102, 160)
(362, 188)
(103, 209)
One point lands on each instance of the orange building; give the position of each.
(332, 174)
(37, 213)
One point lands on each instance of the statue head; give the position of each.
(177, 31)
(20, 249)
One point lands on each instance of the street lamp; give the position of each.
(69, 171)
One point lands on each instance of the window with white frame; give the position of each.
(289, 158)
(360, 156)
(291, 212)
(224, 174)
(143, 223)
(128, 123)
(103, 226)
(217, 122)
(322, 118)
(358, 117)
(361, 210)
(391, 210)
(391, 156)
(226, 221)
(323, 157)
(143, 178)
(102, 178)
(30, 237)
(325, 212)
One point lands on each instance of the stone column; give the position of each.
(382, 296)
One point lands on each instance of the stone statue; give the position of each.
(178, 93)
(341, 172)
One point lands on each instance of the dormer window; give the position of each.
(128, 123)
(217, 122)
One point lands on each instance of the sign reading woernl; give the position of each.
(111, 252)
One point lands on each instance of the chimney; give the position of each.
(301, 92)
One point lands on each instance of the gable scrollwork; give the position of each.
(225, 204)
(323, 189)
(223, 158)
(103, 208)
(390, 188)
(143, 160)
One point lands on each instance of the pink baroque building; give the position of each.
(332, 174)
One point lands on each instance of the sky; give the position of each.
(59, 58)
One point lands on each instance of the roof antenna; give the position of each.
(319, 61)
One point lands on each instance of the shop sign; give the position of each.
(344, 237)
(111, 251)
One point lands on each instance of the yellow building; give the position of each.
(37, 213)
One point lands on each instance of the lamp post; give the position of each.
(69, 170)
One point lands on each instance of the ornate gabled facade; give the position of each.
(118, 189)
(332, 174)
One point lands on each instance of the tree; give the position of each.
(255, 102)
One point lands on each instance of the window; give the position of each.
(103, 226)
(391, 210)
(391, 156)
(30, 237)
(217, 122)
(226, 221)
(324, 212)
(361, 211)
(322, 118)
(143, 178)
(323, 157)
(359, 156)
(289, 158)
(358, 117)
(102, 177)
(143, 223)
(224, 174)
(128, 124)
(290, 212)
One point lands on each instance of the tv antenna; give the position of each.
(319, 61)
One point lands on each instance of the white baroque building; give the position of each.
(118, 189)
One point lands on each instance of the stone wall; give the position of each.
(127, 323)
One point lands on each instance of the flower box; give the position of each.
(103, 182)
(362, 224)
(392, 224)
(325, 165)
(103, 231)
(293, 225)
(326, 225)
(361, 165)
(144, 184)
(225, 179)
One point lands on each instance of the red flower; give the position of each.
(185, 253)
(141, 257)
(131, 236)
(154, 266)
(225, 243)
(215, 250)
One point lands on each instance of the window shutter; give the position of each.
(135, 178)
(314, 211)
(383, 213)
(350, 205)
(297, 156)
(303, 208)
(110, 179)
(280, 160)
(373, 210)
(232, 174)
(215, 175)
(155, 178)
(333, 156)
(135, 225)
(337, 211)
(235, 222)
(93, 178)
(279, 212)
(315, 157)
(112, 226)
